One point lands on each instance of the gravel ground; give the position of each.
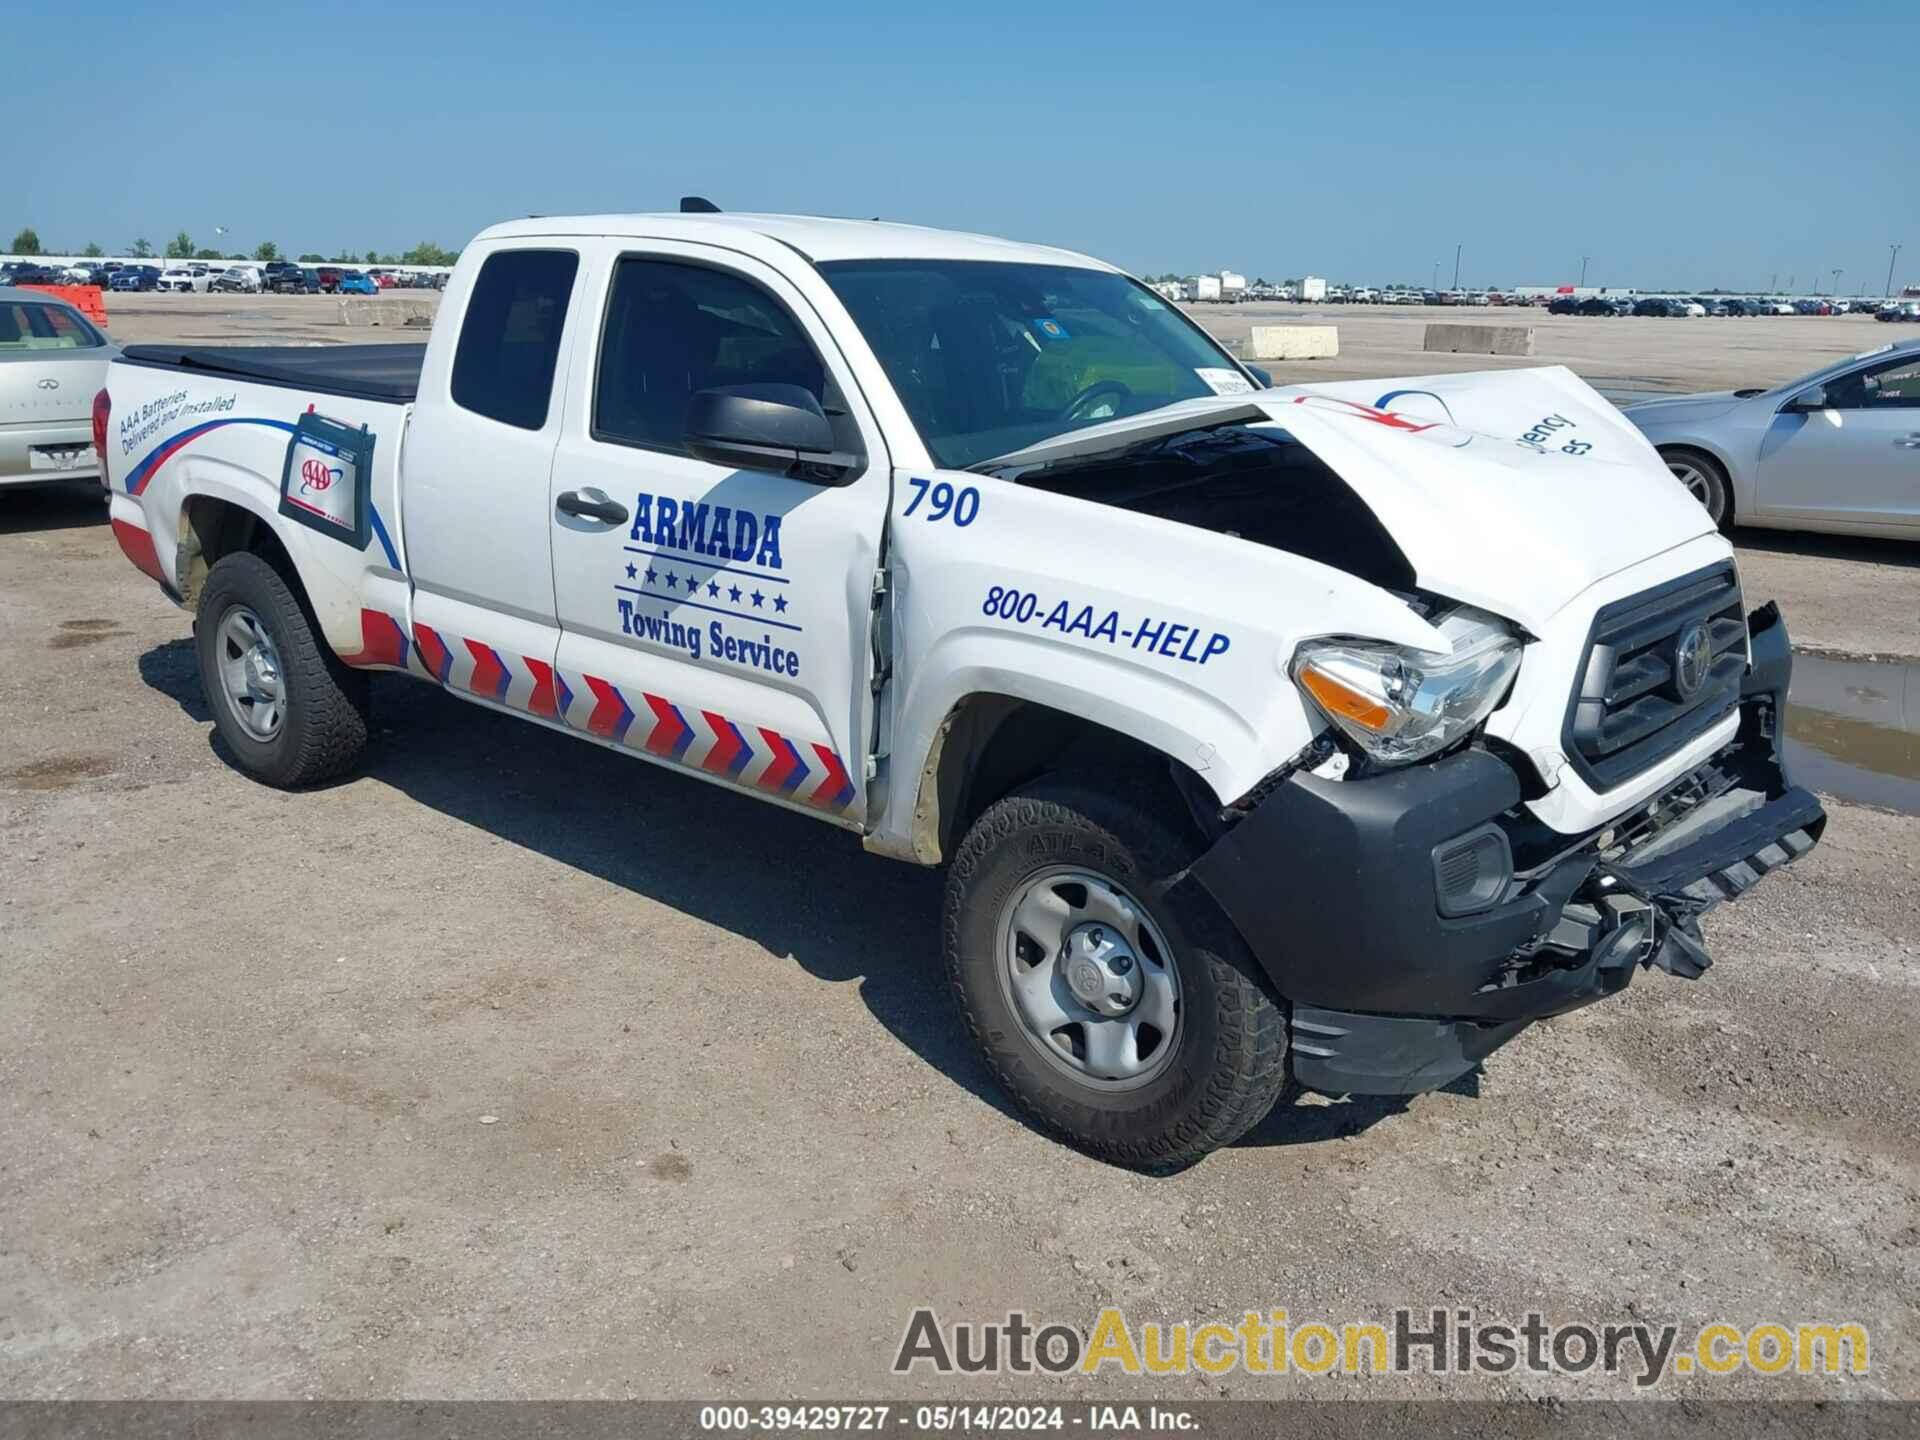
(512, 1068)
(253, 1041)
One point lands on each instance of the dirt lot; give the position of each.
(511, 1068)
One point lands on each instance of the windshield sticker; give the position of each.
(1049, 329)
(1225, 382)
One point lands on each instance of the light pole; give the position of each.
(1837, 273)
(1890, 261)
(1436, 275)
(1456, 265)
(1583, 271)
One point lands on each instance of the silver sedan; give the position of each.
(52, 363)
(1837, 450)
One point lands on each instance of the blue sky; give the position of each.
(1680, 145)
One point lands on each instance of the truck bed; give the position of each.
(365, 372)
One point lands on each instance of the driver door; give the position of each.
(1848, 452)
(711, 617)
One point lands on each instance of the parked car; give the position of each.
(1777, 307)
(329, 278)
(384, 279)
(355, 282)
(30, 272)
(53, 361)
(1656, 305)
(1112, 696)
(136, 277)
(238, 280)
(1563, 305)
(1603, 305)
(310, 279)
(282, 277)
(179, 278)
(1837, 450)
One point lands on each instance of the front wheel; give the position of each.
(1705, 481)
(1118, 1007)
(288, 710)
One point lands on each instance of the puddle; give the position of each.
(1853, 730)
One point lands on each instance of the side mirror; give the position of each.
(1266, 380)
(1807, 402)
(764, 427)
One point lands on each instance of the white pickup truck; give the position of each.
(1322, 735)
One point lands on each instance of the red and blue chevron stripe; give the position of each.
(733, 752)
(491, 675)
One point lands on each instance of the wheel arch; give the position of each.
(1736, 502)
(989, 743)
(214, 526)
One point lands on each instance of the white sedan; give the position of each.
(52, 363)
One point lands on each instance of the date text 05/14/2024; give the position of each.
(1159, 637)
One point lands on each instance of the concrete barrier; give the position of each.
(385, 310)
(1480, 339)
(1293, 342)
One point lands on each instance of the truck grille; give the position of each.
(1661, 669)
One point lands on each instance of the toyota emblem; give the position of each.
(49, 384)
(1692, 658)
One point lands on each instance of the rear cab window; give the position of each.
(509, 345)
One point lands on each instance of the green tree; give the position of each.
(142, 249)
(207, 255)
(180, 247)
(236, 255)
(266, 250)
(428, 253)
(27, 242)
(373, 258)
(93, 251)
(312, 259)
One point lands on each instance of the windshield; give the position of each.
(989, 357)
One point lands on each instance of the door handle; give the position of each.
(591, 504)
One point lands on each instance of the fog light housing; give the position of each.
(1472, 871)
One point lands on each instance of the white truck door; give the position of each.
(714, 618)
(474, 484)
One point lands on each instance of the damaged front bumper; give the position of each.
(1417, 920)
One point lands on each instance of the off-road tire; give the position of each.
(325, 727)
(1230, 1066)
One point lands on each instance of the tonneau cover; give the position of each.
(365, 372)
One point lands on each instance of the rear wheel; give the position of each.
(1117, 1005)
(289, 711)
(1705, 480)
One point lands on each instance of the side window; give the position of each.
(673, 329)
(510, 338)
(1897, 386)
(44, 327)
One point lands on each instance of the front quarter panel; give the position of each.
(1173, 635)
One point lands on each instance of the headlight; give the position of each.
(1400, 704)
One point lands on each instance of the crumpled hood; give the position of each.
(1511, 490)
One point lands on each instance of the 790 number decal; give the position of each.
(943, 501)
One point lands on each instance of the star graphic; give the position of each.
(673, 581)
(712, 589)
(651, 576)
(733, 593)
(780, 604)
(757, 598)
(630, 571)
(693, 584)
